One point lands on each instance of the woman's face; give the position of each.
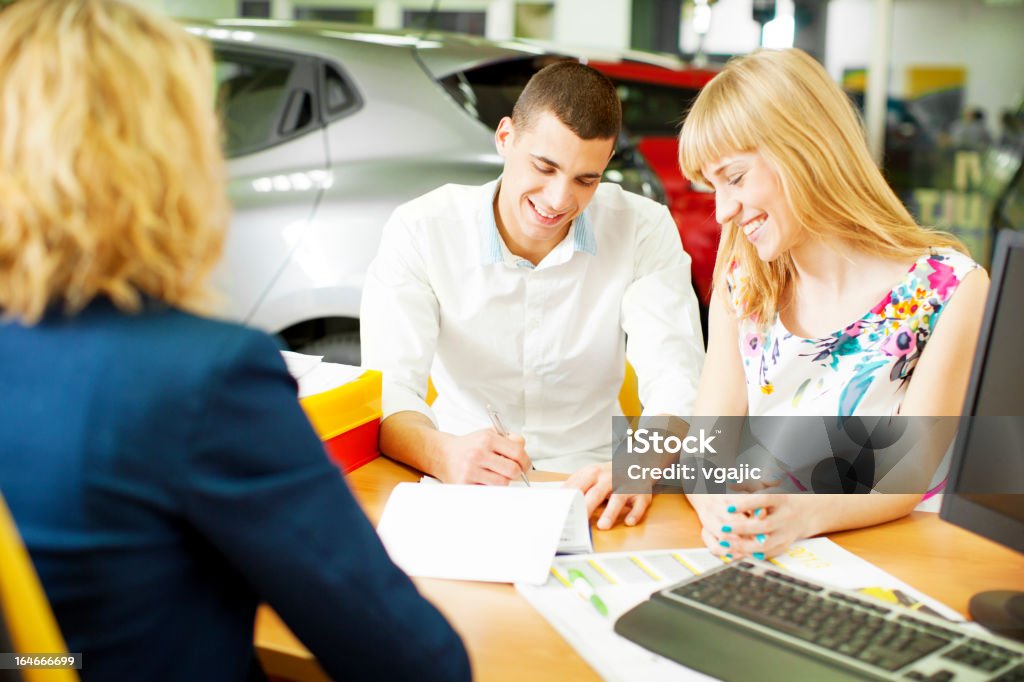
(749, 193)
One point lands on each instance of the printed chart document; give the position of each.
(624, 579)
(473, 532)
(576, 537)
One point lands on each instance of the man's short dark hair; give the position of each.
(583, 99)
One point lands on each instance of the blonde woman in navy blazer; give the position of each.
(157, 463)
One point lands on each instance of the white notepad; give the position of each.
(488, 533)
(575, 537)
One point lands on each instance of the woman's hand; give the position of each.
(595, 481)
(759, 526)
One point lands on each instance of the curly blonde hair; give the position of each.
(112, 180)
(783, 105)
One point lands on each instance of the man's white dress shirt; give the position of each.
(545, 345)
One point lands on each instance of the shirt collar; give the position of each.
(492, 248)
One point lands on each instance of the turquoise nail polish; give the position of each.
(724, 543)
(757, 512)
(726, 529)
(728, 556)
(731, 509)
(759, 556)
(761, 538)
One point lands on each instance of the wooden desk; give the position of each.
(508, 640)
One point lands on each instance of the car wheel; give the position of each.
(340, 347)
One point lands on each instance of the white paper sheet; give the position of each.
(472, 532)
(314, 376)
(299, 364)
(327, 375)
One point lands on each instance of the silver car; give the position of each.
(329, 127)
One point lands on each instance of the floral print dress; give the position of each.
(863, 369)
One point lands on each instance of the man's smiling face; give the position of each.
(550, 176)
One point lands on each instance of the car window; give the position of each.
(649, 109)
(266, 98)
(252, 93)
(339, 96)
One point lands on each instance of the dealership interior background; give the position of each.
(981, 36)
(911, 46)
(940, 84)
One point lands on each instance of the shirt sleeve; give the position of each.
(261, 490)
(660, 316)
(399, 320)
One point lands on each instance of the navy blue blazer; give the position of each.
(165, 481)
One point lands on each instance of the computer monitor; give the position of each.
(985, 491)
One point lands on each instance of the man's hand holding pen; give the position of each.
(499, 428)
(484, 457)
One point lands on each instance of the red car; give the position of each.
(655, 98)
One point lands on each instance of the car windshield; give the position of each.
(489, 92)
(650, 110)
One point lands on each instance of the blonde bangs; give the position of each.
(112, 182)
(714, 127)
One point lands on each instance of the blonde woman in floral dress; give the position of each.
(829, 299)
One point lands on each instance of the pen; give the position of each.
(502, 431)
(586, 591)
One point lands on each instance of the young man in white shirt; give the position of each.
(529, 294)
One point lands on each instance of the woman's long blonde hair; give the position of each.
(112, 181)
(783, 105)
